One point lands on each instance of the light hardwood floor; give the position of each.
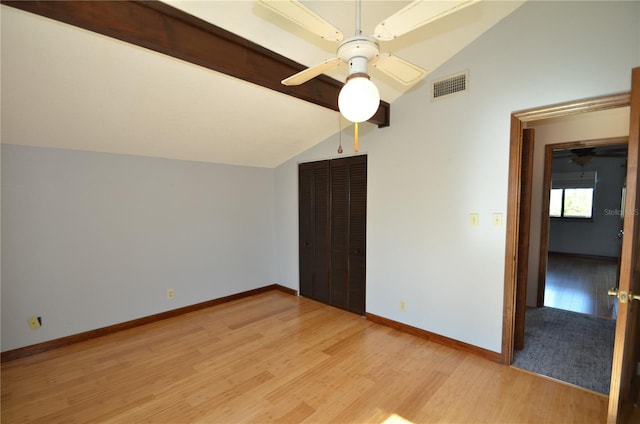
(274, 357)
(580, 284)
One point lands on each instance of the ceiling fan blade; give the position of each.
(417, 14)
(299, 14)
(399, 69)
(310, 73)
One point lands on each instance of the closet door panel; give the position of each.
(357, 234)
(306, 236)
(322, 217)
(339, 233)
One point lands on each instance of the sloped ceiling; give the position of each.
(65, 87)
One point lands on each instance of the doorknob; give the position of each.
(620, 234)
(623, 296)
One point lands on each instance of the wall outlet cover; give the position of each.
(35, 322)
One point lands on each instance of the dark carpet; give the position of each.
(568, 346)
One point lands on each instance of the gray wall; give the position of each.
(93, 239)
(598, 235)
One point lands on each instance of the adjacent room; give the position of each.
(171, 212)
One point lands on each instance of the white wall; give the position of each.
(94, 239)
(440, 161)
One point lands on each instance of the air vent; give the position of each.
(446, 87)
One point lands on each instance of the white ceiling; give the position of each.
(65, 87)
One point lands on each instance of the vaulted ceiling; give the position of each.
(68, 87)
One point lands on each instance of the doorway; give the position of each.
(525, 235)
(580, 238)
(570, 324)
(624, 381)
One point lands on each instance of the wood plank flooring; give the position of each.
(580, 284)
(277, 358)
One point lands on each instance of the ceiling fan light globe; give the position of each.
(359, 99)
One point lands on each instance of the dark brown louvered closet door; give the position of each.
(314, 230)
(357, 234)
(332, 219)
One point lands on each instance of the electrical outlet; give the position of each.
(474, 219)
(35, 322)
(403, 305)
(170, 294)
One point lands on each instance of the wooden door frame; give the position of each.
(546, 188)
(518, 123)
(524, 214)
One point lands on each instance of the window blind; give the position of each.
(586, 179)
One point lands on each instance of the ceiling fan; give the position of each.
(359, 99)
(583, 155)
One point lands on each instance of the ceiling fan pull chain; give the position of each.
(355, 138)
(339, 136)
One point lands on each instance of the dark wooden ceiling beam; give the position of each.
(157, 26)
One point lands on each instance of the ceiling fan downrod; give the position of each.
(359, 50)
(358, 20)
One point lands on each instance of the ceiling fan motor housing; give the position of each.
(357, 52)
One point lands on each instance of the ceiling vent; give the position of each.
(448, 86)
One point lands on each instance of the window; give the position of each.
(572, 195)
(571, 203)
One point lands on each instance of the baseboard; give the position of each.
(11, 355)
(436, 338)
